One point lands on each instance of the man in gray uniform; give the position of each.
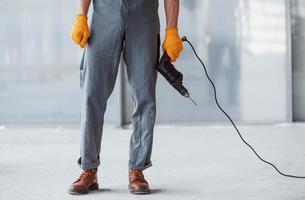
(131, 28)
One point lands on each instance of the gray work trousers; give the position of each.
(131, 28)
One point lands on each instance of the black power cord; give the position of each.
(232, 122)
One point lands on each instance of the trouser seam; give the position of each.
(136, 157)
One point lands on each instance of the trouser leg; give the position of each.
(141, 54)
(99, 71)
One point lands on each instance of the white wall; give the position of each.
(243, 43)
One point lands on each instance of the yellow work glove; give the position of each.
(80, 31)
(172, 44)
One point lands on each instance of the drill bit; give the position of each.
(193, 101)
(187, 95)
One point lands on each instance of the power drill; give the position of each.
(173, 76)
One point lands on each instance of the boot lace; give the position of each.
(85, 175)
(137, 175)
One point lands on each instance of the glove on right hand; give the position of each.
(80, 31)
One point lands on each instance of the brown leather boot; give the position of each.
(137, 182)
(86, 182)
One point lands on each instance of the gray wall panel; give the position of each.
(298, 59)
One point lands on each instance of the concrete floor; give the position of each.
(189, 162)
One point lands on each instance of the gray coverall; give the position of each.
(130, 27)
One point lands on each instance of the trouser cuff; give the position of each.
(139, 167)
(85, 166)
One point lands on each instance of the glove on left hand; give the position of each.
(172, 44)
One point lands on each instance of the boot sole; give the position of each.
(92, 187)
(138, 192)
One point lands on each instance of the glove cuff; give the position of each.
(81, 15)
(171, 30)
(81, 18)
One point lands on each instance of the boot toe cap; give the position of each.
(78, 189)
